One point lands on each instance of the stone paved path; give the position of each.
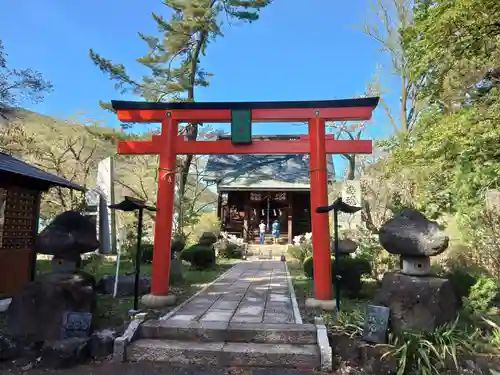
(251, 292)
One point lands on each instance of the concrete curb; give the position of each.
(120, 343)
(177, 308)
(323, 345)
(295, 305)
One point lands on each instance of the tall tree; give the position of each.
(174, 57)
(19, 85)
(385, 25)
(453, 49)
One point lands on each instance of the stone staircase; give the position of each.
(266, 251)
(226, 344)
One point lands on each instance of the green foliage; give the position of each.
(379, 259)
(174, 56)
(229, 250)
(308, 266)
(429, 353)
(200, 256)
(461, 281)
(147, 252)
(458, 39)
(481, 296)
(350, 270)
(93, 263)
(298, 252)
(302, 247)
(19, 85)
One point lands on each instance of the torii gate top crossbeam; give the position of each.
(329, 110)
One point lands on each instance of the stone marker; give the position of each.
(36, 313)
(376, 324)
(76, 324)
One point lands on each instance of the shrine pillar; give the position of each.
(320, 222)
(159, 296)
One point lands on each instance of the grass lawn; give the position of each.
(113, 312)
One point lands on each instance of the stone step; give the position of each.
(223, 354)
(265, 333)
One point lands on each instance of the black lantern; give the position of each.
(127, 205)
(337, 206)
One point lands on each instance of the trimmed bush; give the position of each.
(350, 269)
(229, 250)
(481, 296)
(309, 267)
(146, 252)
(200, 256)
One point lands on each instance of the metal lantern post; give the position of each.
(337, 206)
(127, 205)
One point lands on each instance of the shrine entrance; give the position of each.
(241, 115)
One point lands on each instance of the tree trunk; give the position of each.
(191, 129)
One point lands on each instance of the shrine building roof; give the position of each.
(262, 172)
(11, 166)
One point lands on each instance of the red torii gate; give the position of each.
(169, 144)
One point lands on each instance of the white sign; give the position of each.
(350, 191)
(104, 186)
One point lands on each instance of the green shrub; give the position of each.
(350, 270)
(147, 252)
(308, 267)
(461, 281)
(431, 353)
(229, 250)
(481, 297)
(92, 263)
(200, 256)
(301, 253)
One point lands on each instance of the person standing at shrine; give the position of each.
(262, 232)
(276, 231)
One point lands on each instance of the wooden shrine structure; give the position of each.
(21, 188)
(255, 188)
(241, 115)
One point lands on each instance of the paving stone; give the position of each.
(183, 317)
(217, 316)
(225, 305)
(274, 297)
(250, 309)
(278, 317)
(246, 319)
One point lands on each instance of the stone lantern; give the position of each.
(418, 301)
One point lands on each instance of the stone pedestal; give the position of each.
(152, 301)
(417, 303)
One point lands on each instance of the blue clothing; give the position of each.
(262, 238)
(276, 229)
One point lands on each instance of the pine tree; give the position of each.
(174, 56)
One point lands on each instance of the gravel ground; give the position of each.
(146, 368)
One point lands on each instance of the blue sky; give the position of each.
(294, 52)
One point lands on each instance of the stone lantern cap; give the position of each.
(346, 246)
(411, 235)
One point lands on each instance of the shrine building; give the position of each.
(252, 188)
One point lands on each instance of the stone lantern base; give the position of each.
(417, 303)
